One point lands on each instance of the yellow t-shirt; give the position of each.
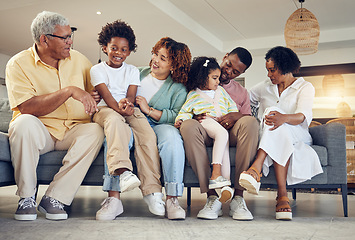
(27, 76)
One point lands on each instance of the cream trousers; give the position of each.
(29, 138)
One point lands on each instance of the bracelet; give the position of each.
(150, 111)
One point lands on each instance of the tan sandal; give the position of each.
(282, 212)
(250, 180)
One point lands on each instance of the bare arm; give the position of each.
(45, 104)
(125, 108)
(143, 105)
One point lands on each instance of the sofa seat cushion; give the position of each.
(4, 148)
(5, 114)
(322, 154)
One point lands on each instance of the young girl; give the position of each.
(207, 97)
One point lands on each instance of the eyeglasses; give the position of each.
(66, 39)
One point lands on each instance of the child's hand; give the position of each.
(178, 123)
(126, 107)
(200, 117)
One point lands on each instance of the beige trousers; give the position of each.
(117, 130)
(243, 135)
(29, 138)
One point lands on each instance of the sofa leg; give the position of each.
(294, 193)
(188, 197)
(344, 194)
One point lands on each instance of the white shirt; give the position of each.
(296, 98)
(149, 87)
(117, 80)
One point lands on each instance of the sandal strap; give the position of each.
(282, 206)
(283, 198)
(258, 175)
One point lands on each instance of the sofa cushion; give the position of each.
(5, 114)
(4, 148)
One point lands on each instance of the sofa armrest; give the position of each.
(332, 136)
(4, 147)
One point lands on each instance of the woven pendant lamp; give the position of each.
(302, 31)
(333, 85)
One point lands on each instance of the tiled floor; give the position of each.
(315, 216)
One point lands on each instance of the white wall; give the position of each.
(3, 60)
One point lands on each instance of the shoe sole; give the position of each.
(25, 217)
(131, 186)
(51, 216)
(219, 185)
(226, 194)
(240, 218)
(182, 217)
(105, 218)
(284, 215)
(249, 183)
(211, 216)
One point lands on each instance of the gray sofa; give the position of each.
(328, 140)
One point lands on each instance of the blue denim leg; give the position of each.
(112, 183)
(172, 154)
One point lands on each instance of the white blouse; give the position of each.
(296, 98)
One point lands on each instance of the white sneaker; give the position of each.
(173, 209)
(155, 203)
(111, 207)
(219, 182)
(239, 210)
(212, 209)
(128, 181)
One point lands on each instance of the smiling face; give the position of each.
(160, 65)
(213, 79)
(231, 67)
(273, 73)
(60, 48)
(117, 51)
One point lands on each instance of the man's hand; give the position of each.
(85, 98)
(96, 96)
(126, 107)
(228, 120)
(178, 123)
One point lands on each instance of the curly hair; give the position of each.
(120, 29)
(179, 55)
(284, 59)
(200, 68)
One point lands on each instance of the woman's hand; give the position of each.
(275, 119)
(178, 123)
(126, 108)
(142, 103)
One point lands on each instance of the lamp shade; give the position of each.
(333, 85)
(343, 110)
(302, 32)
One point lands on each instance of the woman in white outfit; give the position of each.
(285, 112)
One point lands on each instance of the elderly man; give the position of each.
(243, 132)
(48, 88)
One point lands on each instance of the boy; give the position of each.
(117, 84)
